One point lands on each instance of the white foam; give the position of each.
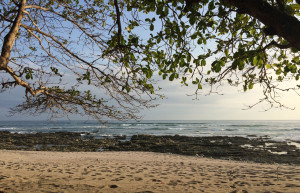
(278, 153)
(247, 146)
(294, 144)
(7, 128)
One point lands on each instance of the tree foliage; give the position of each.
(117, 46)
(62, 51)
(226, 42)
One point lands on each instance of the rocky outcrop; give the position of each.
(257, 149)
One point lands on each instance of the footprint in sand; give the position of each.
(138, 179)
(3, 177)
(140, 192)
(239, 191)
(113, 186)
(155, 180)
(240, 183)
(292, 185)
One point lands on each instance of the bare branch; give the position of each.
(118, 21)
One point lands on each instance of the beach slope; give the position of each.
(37, 171)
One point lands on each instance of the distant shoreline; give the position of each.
(261, 150)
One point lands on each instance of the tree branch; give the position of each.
(118, 21)
(19, 81)
(273, 43)
(281, 23)
(62, 46)
(8, 43)
(73, 21)
(9, 39)
(284, 25)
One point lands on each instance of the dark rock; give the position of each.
(221, 147)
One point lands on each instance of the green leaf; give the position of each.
(278, 71)
(134, 40)
(294, 50)
(28, 76)
(268, 66)
(32, 48)
(217, 65)
(241, 65)
(293, 68)
(194, 36)
(171, 78)
(255, 61)
(192, 20)
(199, 41)
(295, 6)
(159, 9)
(188, 58)
(250, 85)
(164, 76)
(226, 52)
(151, 27)
(199, 86)
(127, 89)
(235, 64)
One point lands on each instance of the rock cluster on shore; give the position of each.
(260, 150)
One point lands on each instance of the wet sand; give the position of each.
(38, 171)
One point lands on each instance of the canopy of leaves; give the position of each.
(63, 49)
(217, 42)
(116, 46)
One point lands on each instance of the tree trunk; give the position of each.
(278, 22)
(9, 39)
(281, 23)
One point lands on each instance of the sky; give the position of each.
(231, 105)
(178, 106)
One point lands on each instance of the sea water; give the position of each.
(276, 130)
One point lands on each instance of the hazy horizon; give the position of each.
(178, 106)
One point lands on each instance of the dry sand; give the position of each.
(23, 171)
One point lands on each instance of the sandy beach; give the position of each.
(37, 171)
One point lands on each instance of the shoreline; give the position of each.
(260, 150)
(138, 172)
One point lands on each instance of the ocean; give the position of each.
(275, 130)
